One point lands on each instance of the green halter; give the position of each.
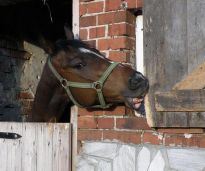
(97, 85)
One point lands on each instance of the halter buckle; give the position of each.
(97, 85)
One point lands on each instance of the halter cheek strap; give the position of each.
(97, 85)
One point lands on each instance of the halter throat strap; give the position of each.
(97, 85)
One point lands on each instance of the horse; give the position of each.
(76, 73)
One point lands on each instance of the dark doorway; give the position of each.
(26, 20)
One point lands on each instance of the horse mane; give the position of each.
(63, 44)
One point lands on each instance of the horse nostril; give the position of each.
(137, 80)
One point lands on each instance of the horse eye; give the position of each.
(79, 66)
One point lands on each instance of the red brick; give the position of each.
(202, 141)
(89, 135)
(139, 3)
(95, 7)
(132, 123)
(119, 56)
(121, 30)
(126, 137)
(112, 5)
(25, 95)
(84, 112)
(112, 17)
(27, 103)
(87, 21)
(92, 43)
(105, 123)
(87, 122)
(121, 43)
(195, 140)
(180, 140)
(117, 29)
(83, 34)
(115, 43)
(97, 32)
(119, 110)
(181, 130)
(134, 4)
(130, 18)
(103, 44)
(151, 137)
(131, 4)
(83, 9)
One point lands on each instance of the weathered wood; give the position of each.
(173, 47)
(195, 80)
(73, 120)
(42, 147)
(180, 101)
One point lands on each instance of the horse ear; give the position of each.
(46, 45)
(68, 33)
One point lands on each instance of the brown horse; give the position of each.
(77, 74)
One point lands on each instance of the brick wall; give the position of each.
(109, 27)
(18, 81)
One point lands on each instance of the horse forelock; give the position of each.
(79, 45)
(88, 51)
(63, 44)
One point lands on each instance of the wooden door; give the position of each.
(42, 147)
(174, 44)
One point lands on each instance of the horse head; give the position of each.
(78, 73)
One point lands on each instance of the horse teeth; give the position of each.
(136, 100)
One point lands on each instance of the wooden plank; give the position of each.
(61, 148)
(74, 122)
(47, 142)
(37, 148)
(41, 155)
(180, 101)
(64, 147)
(10, 158)
(195, 30)
(14, 153)
(3, 152)
(29, 147)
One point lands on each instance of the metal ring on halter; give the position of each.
(64, 83)
(97, 85)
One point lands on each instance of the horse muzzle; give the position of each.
(138, 87)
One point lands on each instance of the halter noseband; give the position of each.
(97, 85)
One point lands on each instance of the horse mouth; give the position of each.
(134, 103)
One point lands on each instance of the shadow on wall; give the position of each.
(21, 59)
